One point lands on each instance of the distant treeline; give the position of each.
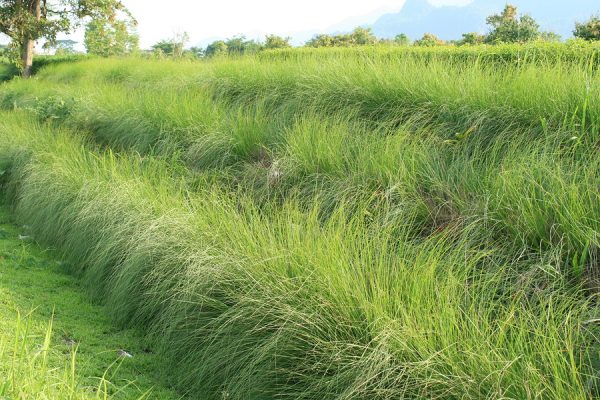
(504, 28)
(105, 39)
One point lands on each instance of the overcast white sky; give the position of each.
(225, 18)
(212, 19)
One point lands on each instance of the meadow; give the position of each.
(328, 224)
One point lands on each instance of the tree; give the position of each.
(277, 42)
(358, 37)
(549, 36)
(429, 40)
(589, 30)
(402, 40)
(321, 40)
(26, 21)
(173, 47)
(471, 38)
(197, 52)
(216, 48)
(164, 47)
(105, 37)
(362, 36)
(62, 47)
(508, 27)
(238, 45)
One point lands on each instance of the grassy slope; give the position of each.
(441, 266)
(35, 291)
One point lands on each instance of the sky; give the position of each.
(205, 21)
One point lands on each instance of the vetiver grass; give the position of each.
(334, 231)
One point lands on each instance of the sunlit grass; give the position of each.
(326, 228)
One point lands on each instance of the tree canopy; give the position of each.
(106, 37)
(276, 42)
(26, 21)
(429, 40)
(173, 47)
(402, 39)
(359, 36)
(589, 30)
(509, 27)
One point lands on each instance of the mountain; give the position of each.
(449, 22)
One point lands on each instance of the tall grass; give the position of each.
(326, 229)
(28, 367)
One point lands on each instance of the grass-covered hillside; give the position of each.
(328, 224)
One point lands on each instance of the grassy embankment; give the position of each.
(336, 227)
(53, 343)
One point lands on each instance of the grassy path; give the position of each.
(47, 323)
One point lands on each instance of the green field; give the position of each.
(328, 224)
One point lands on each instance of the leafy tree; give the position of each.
(173, 47)
(471, 38)
(26, 21)
(197, 52)
(358, 37)
(164, 47)
(62, 47)
(549, 36)
(277, 42)
(238, 45)
(362, 36)
(429, 40)
(589, 30)
(321, 40)
(508, 27)
(105, 37)
(402, 40)
(216, 48)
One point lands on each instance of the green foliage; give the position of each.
(216, 48)
(549, 36)
(111, 37)
(589, 30)
(508, 27)
(63, 47)
(197, 52)
(359, 36)
(174, 47)
(402, 40)
(239, 45)
(25, 22)
(277, 42)
(52, 108)
(429, 40)
(236, 46)
(471, 38)
(7, 71)
(363, 36)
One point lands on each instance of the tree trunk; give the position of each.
(27, 57)
(28, 45)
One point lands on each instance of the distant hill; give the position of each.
(449, 22)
